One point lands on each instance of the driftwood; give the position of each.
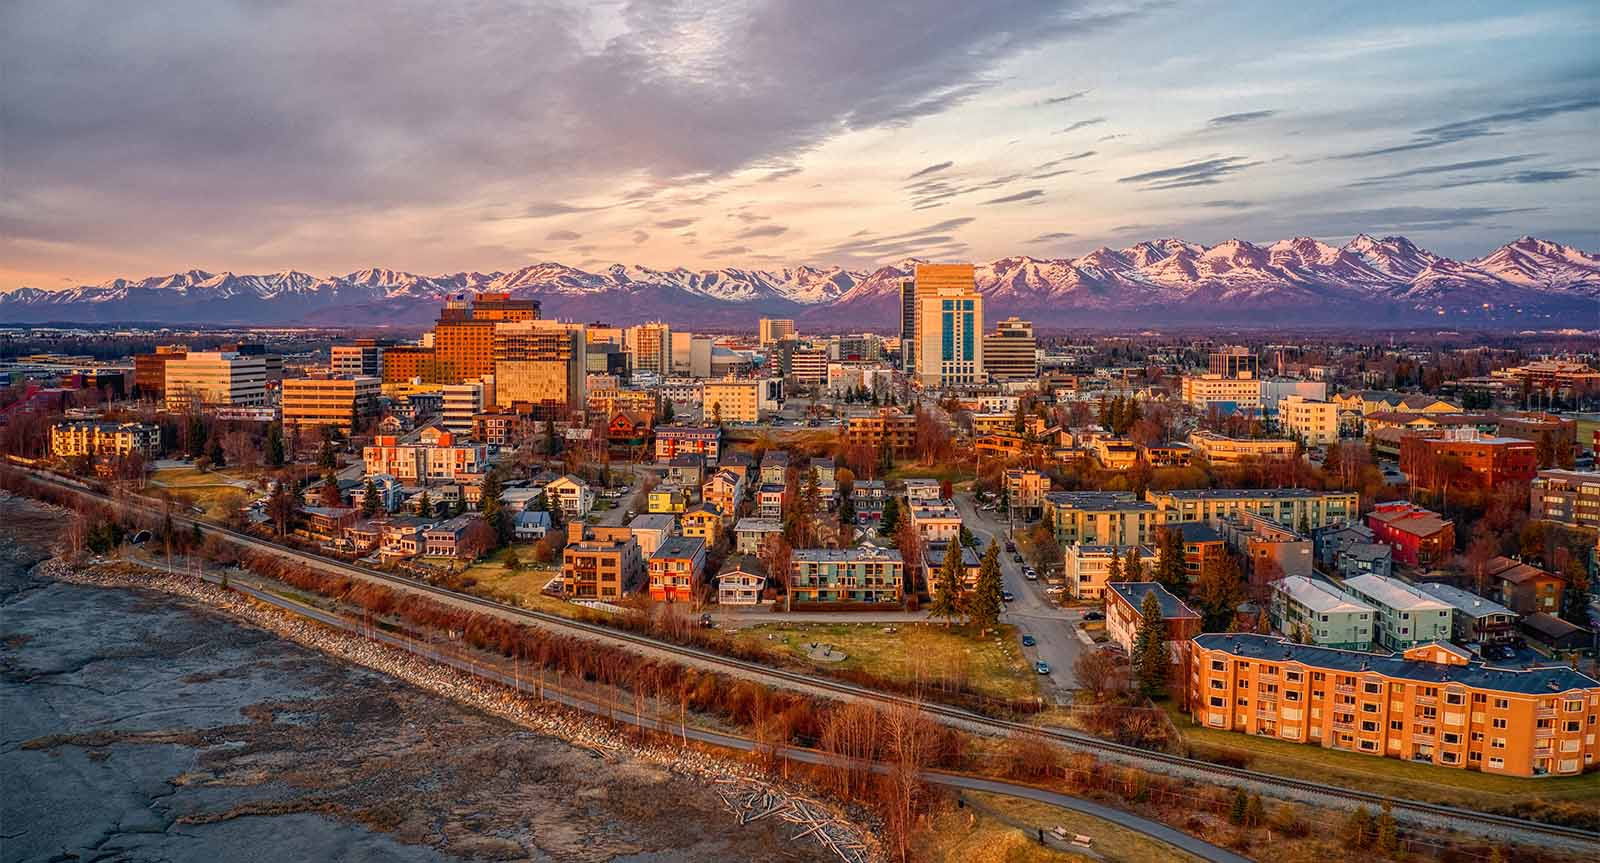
(752, 801)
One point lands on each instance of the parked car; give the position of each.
(1030, 574)
(1028, 641)
(1042, 667)
(1017, 557)
(1010, 546)
(1007, 595)
(1094, 615)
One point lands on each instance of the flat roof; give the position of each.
(679, 546)
(1261, 493)
(841, 555)
(1532, 681)
(1463, 600)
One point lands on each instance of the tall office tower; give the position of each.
(463, 348)
(949, 326)
(908, 326)
(216, 378)
(774, 330)
(1010, 353)
(682, 346)
(1234, 362)
(501, 307)
(650, 348)
(541, 367)
(360, 358)
(337, 402)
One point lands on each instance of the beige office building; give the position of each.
(949, 326)
(774, 330)
(1315, 421)
(539, 367)
(216, 379)
(650, 348)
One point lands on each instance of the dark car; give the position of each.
(1007, 595)
(1042, 667)
(1027, 641)
(1017, 558)
(1010, 546)
(1094, 615)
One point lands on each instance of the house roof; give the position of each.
(652, 521)
(758, 525)
(1394, 593)
(1198, 531)
(1550, 626)
(1318, 596)
(1464, 601)
(1533, 681)
(1413, 520)
(679, 546)
(1517, 572)
(1172, 608)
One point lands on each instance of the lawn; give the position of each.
(1382, 775)
(1003, 830)
(522, 587)
(927, 652)
(953, 473)
(213, 491)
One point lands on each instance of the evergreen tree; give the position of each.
(275, 445)
(493, 509)
(196, 437)
(1170, 570)
(1358, 826)
(891, 517)
(1114, 567)
(511, 561)
(885, 456)
(330, 490)
(552, 444)
(1239, 808)
(326, 459)
(369, 499)
(1255, 814)
(1151, 660)
(1133, 564)
(667, 413)
(425, 505)
(947, 590)
(985, 605)
(215, 454)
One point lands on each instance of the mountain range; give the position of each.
(1526, 283)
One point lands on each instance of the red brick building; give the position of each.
(1492, 460)
(1419, 537)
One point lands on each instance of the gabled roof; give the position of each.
(1172, 608)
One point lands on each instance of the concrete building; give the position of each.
(540, 368)
(1268, 545)
(88, 438)
(362, 358)
(216, 379)
(1432, 704)
(1234, 361)
(1011, 353)
(1102, 518)
(1088, 568)
(1309, 611)
(773, 330)
(1220, 449)
(1315, 422)
(650, 530)
(600, 563)
(740, 400)
(650, 348)
(935, 521)
(1025, 492)
(885, 426)
(1125, 616)
(150, 370)
(1492, 460)
(462, 402)
(673, 441)
(1406, 617)
(571, 495)
(1296, 507)
(337, 403)
(862, 574)
(1228, 394)
(949, 326)
(443, 461)
(1567, 496)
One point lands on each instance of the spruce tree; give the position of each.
(985, 605)
(493, 510)
(947, 591)
(1114, 567)
(369, 499)
(1239, 808)
(891, 518)
(1150, 657)
(275, 445)
(1387, 831)
(1132, 568)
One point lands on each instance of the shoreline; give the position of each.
(560, 723)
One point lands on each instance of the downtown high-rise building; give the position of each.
(541, 367)
(948, 326)
(1010, 353)
(650, 348)
(908, 326)
(774, 330)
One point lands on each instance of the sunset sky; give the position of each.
(139, 138)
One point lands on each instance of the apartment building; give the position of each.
(1432, 704)
(935, 521)
(1125, 615)
(1011, 353)
(1316, 422)
(337, 403)
(600, 562)
(1203, 547)
(673, 441)
(461, 402)
(1229, 394)
(443, 461)
(1025, 491)
(1234, 361)
(677, 569)
(216, 379)
(650, 530)
(1102, 518)
(75, 438)
(886, 427)
(1088, 568)
(1268, 545)
(1419, 537)
(406, 363)
(1567, 496)
(862, 574)
(650, 348)
(1220, 449)
(1492, 460)
(738, 400)
(1310, 611)
(1473, 618)
(1406, 617)
(1296, 507)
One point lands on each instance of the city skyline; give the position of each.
(780, 134)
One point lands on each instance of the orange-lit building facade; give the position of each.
(1434, 704)
(1492, 460)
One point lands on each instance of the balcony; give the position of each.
(1539, 733)
(1344, 689)
(1428, 700)
(1545, 713)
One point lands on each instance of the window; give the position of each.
(1502, 703)
(1499, 722)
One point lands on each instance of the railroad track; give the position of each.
(1438, 815)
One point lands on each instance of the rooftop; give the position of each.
(1533, 681)
(679, 546)
(1118, 500)
(1198, 531)
(1394, 593)
(652, 521)
(1318, 596)
(762, 525)
(1171, 606)
(1463, 600)
(1255, 493)
(846, 555)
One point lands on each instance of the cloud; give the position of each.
(1019, 196)
(1052, 237)
(670, 224)
(1203, 173)
(547, 209)
(1111, 137)
(1069, 97)
(727, 251)
(1530, 177)
(1405, 218)
(1236, 119)
(640, 237)
(781, 173)
(1081, 124)
(563, 236)
(931, 169)
(1227, 204)
(1478, 127)
(761, 231)
(1443, 169)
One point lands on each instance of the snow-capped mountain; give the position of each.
(1388, 280)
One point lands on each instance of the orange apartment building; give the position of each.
(900, 430)
(600, 562)
(1433, 704)
(677, 569)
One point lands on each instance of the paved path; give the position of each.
(1031, 611)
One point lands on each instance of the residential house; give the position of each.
(703, 521)
(933, 562)
(1420, 537)
(1310, 611)
(775, 467)
(1125, 615)
(869, 497)
(922, 489)
(528, 525)
(1526, 588)
(674, 441)
(651, 531)
(402, 537)
(687, 470)
(725, 491)
(445, 538)
(571, 495)
(1406, 617)
(1088, 567)
(667, 499)
(741, 581)
(676, 569)
(751, 533)
(1025, 490)
(1203, 547)
(935, 520)
(1556, 636)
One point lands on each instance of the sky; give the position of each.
(329, 136)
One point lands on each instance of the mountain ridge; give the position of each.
(1387, 279)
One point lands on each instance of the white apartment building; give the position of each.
(1316, 422)
(1303, 606)
(1407, 617)
(216, 379)
(1202, 391)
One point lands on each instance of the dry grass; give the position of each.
(1007, 835)
(522, 587)
(213, 491)
(1383, 775)
(994, 665)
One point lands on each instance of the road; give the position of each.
(1319, 793)
(1031, 611)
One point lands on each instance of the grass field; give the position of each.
(938, 472)
(213, 491)
(522, 587)
(1382, 775)
(912, 652)
(1004, 830)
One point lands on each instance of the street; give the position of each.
(1031, 611)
